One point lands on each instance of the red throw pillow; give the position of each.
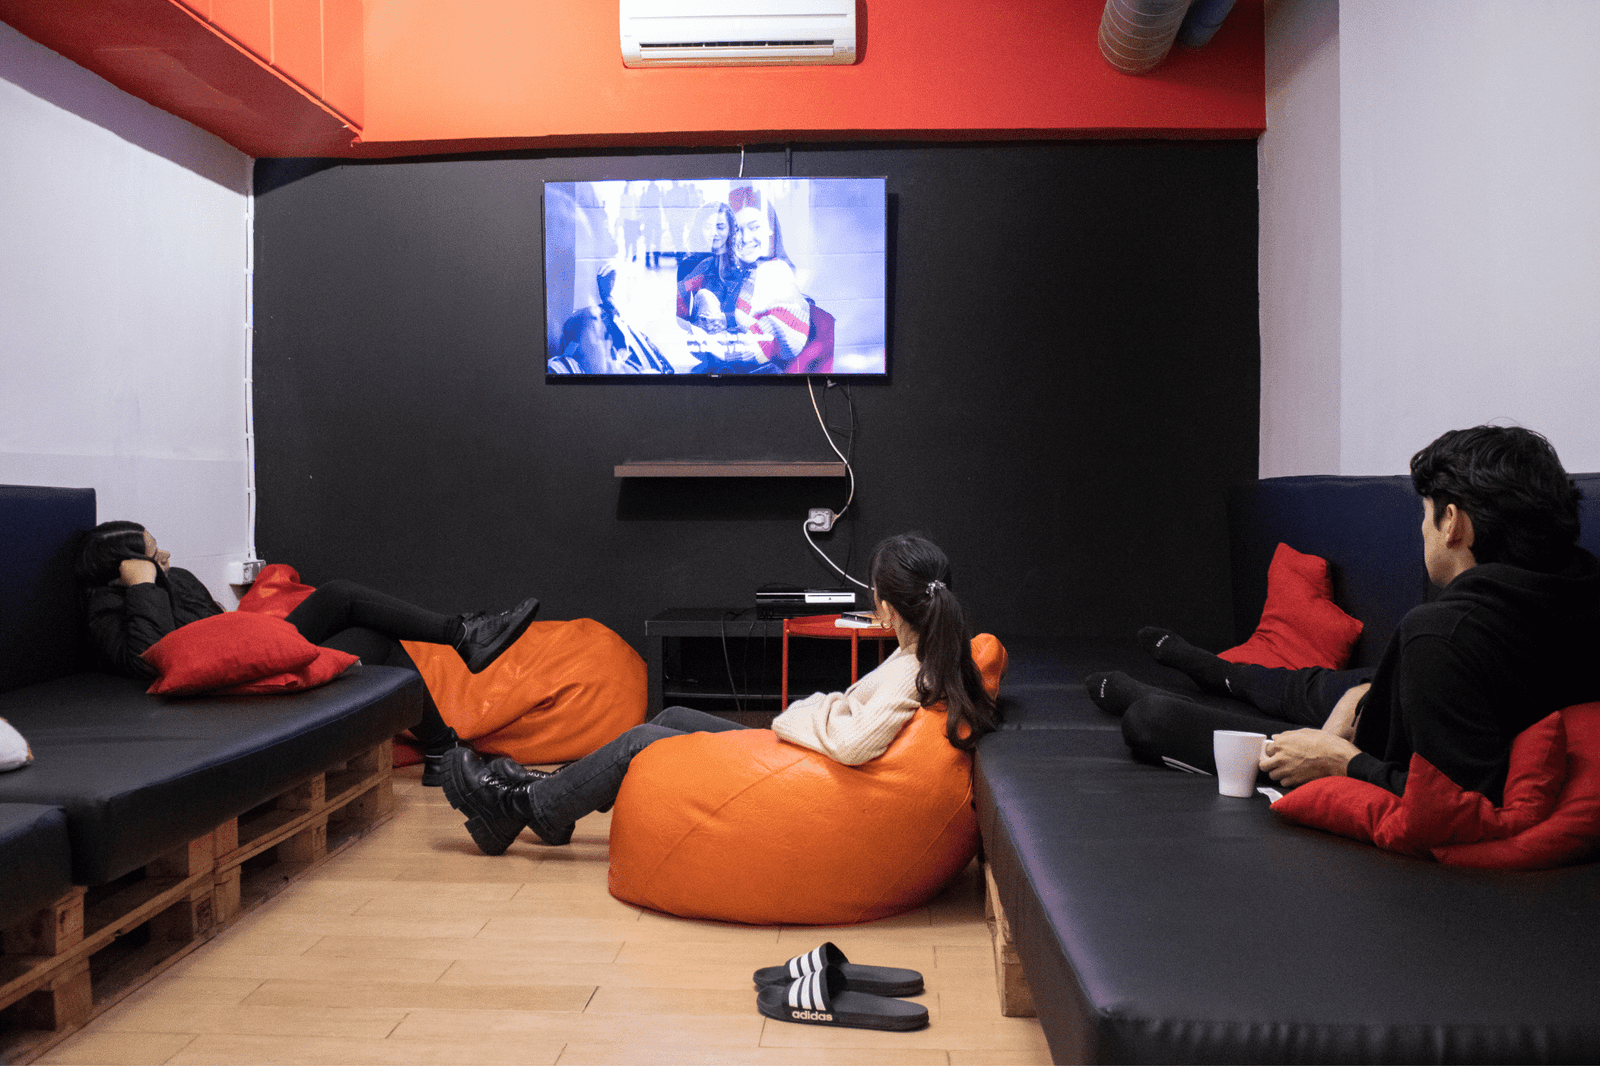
(1550, 815)
(1301, 625)
(226, 650)
(276, 591)
(329, 664)
(1571, 833)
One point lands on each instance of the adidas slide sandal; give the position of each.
(820, 998)
(878, 980)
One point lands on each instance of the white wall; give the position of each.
(1469, 245)
(123, 295)
(1299, 166)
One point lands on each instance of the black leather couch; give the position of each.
(1157, 921)
(119, 777)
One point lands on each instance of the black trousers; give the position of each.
(370, 625)
(1169, 727)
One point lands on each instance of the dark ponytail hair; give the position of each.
(912, 575)
(103, 549)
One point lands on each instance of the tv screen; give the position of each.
(716, 276)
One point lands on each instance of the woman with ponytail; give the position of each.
(933, 664)
(911, 582)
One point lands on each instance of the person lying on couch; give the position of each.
(135, 597)
(911, 593)
(1509, 640)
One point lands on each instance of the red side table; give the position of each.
(822, 627)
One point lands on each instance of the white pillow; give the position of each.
(14, 751)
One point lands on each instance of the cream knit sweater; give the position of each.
(860, 723)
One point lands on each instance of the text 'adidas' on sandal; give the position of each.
(820, 998)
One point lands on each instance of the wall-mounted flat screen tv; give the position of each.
(716, 276)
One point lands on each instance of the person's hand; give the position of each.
(136, 572)
(1302, 755)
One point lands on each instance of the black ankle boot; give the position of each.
(497, 810)
(433, 757)
(484, 635)
(508, 769)
(486, 801)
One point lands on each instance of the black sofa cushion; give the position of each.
(1160, 922)
(139, 775)
(41, 614)
(35, 868)
(1043, 688)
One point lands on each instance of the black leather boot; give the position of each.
(433, 757)
(496, 809)
(510, 770)
(486, 635)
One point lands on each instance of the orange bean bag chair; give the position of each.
(561, 691)
(744, 827)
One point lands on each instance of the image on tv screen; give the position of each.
(716, 276)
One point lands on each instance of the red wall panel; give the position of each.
(420, 76)
(297, 41)
(343, 57)
(530, 69)
(247, 21)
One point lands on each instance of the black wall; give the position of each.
(1074, 380)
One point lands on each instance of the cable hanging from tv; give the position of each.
(849, 469)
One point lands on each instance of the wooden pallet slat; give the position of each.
(68, 961)
(1016, 998)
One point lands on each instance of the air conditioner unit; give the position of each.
(709, 33)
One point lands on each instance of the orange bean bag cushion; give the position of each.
(744, 827)
(561, 691)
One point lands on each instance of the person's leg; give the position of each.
(1114, 691)
(687, 720)
(598, 777)
(432, 733)
(498, 809)
(1167, 728)
(1303, 697)
(478, 638)
(339, 605)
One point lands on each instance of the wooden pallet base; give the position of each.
(67, 962)
(1016, 999)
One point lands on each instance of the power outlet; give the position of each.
(243, 573)
(819, 520)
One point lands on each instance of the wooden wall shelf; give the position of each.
(719, 468)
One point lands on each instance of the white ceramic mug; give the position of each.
(1238, 756)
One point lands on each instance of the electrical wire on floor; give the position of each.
(727, 659)
(849, 469)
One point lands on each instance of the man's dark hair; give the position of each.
(1523, 506)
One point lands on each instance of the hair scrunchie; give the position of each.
(933, 585)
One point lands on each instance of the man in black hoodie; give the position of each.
(1511, 638)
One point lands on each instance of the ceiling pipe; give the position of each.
(1136, 35)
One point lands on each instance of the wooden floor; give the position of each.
(411, 947)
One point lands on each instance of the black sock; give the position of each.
(1114, 691)
(1169, 649)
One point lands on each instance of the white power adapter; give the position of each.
(819, 520)
(243, 573)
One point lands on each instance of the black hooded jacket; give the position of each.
(1500, 649)
(124, 620)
